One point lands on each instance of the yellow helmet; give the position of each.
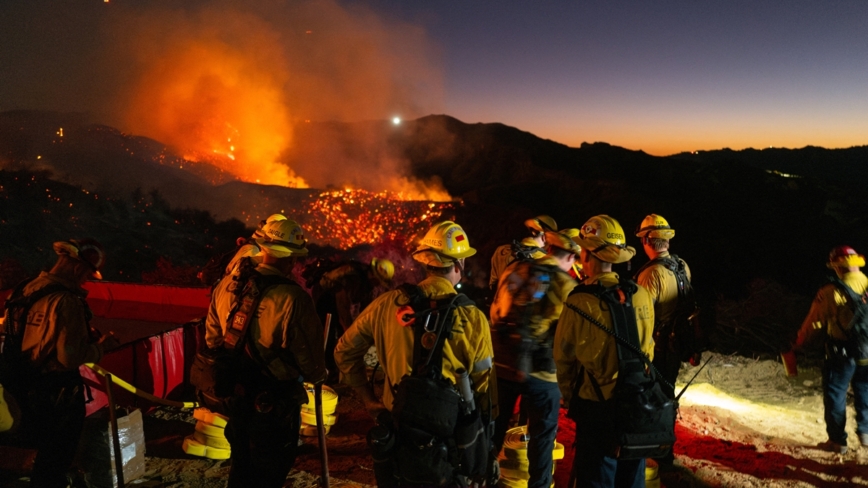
(444, 244)
(259, 232)
(604, 237)
(541, 223)
(88, 251)
(383, 269)
(572, 232)
(283, 238)
(562, 241)
(655, 226)
(533, 250)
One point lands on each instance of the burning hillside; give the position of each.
(347, 218)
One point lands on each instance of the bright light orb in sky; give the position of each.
(396, 120)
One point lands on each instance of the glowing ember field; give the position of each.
(347, 218)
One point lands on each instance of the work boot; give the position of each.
(833, 446)
(863, 439)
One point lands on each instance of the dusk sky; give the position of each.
(660, 76)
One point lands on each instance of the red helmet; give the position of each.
(845, 256)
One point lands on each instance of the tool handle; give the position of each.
(325, 331)
(320, 430)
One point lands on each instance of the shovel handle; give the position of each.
(325, 331)
(320, 430)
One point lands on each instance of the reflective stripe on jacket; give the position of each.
(581, 344)
(469, 348)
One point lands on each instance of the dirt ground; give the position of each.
(742, 423)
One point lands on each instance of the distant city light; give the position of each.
(780, 173)
(396, 120)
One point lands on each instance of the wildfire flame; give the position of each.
(230, 87)
(347, 218)
(219, 104)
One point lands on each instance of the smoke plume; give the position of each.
(230, 82)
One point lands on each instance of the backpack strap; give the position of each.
(434, 320)
(670, 262)
(854, 298)
(630, 343)
(248, 297)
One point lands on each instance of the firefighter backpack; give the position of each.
(439, 434)
(856, 344)
(215, 372)
(640, 413)
(519, 299)
(682, 335)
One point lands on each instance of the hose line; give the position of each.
(135, 391)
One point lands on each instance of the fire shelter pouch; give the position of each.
(215, 372)
(427, 404)
(472, 441)
(422, 458)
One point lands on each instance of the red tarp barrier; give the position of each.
(148, 320)
(154, 303)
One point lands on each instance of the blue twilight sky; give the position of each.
(662, 76)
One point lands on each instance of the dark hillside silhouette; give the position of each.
(738, 215)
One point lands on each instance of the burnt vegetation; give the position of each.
(145, 238)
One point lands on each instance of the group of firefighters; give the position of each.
(264, 335)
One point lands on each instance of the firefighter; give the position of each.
(587, 358)
(56, 341)
(831, 313)
(505, 254)
(443, 251)
(344, 291)
(287, 343)
(661, 282)
(526, 369)
(658, 277)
